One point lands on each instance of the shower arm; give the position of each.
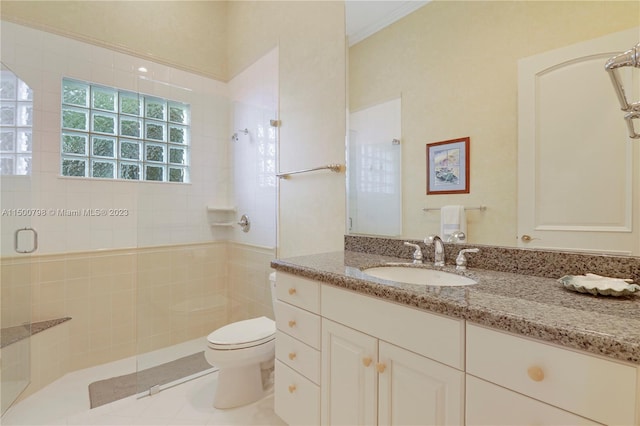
(630, 58)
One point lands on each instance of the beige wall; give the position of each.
(128, 302)
(455, 65)
(248, 277)
(161, 295)
(191, 35)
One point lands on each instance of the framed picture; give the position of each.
(448, 167)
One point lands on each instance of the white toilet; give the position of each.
(241, 351)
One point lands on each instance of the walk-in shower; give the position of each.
(126, 267)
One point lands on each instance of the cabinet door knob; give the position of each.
(535, 373)
(366, 361)
(292, 323)
(380, 367)
(292, 291)
(292, 388)
(292, 355)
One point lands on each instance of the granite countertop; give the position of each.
(532, 306)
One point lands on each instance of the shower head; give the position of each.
(630, 58)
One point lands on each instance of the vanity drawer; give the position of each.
(297, 399)
(489, 404)
(596, 388)
(295, 354)
(298, 323)
(430, 335)
(298, 291)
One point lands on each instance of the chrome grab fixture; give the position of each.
(630, 58)
(417, 254)
(438, 257)
(461, 260)
(16, 241)
(456, 237)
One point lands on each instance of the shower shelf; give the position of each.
(221, 215)
(16, 333)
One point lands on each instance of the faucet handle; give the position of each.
(417, 254)
(456, 237)
(461, 260)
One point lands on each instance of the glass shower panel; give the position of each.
(18, 238)
(181, 292)
(374, 180)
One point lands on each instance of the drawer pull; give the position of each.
(292, 291)
(292, 388)
(292, 355)
(535, 373)
(366, 361)
(292, 323)
(380, 367)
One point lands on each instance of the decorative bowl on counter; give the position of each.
(599, 285)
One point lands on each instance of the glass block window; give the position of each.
(114, 134)
(16, 121)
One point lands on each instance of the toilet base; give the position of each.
(238, 386)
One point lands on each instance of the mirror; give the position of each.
(454, 65)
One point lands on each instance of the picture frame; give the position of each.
(448, 167)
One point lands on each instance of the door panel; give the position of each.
(415, 390)
(576, 182)
(349, 391)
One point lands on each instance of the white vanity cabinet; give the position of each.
(515, 379)
(344, 358)
(369, 375)
(297, 365)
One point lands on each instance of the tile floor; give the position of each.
(66, 402)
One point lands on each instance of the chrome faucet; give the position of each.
(438, 257)
(417, 254)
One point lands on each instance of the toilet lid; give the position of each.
(242, 334)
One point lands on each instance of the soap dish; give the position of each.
(599, 286)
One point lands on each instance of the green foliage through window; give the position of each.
(118, 124)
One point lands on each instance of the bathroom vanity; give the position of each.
(511, 349)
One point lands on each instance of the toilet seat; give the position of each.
(243, 334)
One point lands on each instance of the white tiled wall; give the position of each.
(254, 95)
(159, 213)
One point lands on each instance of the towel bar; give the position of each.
(481, 208)
(333, 167)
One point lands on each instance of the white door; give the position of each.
(578, 178)
(414, 390)
(349, 391)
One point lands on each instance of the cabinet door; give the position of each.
(414, 390)
(349, 391)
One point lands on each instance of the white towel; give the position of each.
(452, 219)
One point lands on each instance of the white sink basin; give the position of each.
(421, 276)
